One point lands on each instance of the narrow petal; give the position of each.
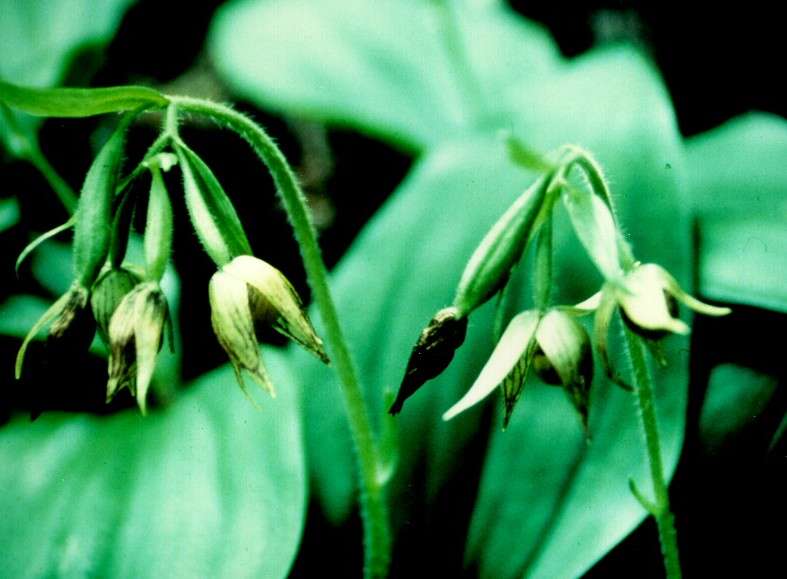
(122, 366)
(275, 301)
(504, 358)
(692, 302)
(151, 314)
(234, 327)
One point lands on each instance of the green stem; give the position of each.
(372, 496)
(62, 189)
(643, 388)
(543, 274)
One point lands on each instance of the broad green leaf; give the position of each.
(52, 266)
(736, 395)
(209, 487)
(39, 39)
(405, 266)
(738, 177)
(551, 505)
(386, 67)
(78, 102)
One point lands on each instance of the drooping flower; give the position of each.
(554, 344)
(647, 297)
(135, 337)
(247, 292)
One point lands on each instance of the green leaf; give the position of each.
(38, 41)
(19, 313)
(736, 395)
(406, 264)
(78, 102)
(737, 176)
(386, 67)
(208, 487)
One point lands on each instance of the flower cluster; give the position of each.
(126, 303)
(550, 339)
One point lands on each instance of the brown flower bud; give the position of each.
(432, 353)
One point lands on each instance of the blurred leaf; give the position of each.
(208, 487)
(736, 395)
(547, 502)
(381, 66)
(78, 102)
(737, 176)
(38, 40)
(18, 314)
(52, 266)
(9, 213)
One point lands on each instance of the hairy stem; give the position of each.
(377, 537)
(660, 508)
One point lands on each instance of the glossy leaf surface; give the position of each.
(387, 67)
(209, 487)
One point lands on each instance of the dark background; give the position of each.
(717, 62)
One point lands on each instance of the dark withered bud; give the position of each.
(432, 353)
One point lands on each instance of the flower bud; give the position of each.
(135, 337)
(93, 217)
(500, 249)
(108, 290)
(432, 353)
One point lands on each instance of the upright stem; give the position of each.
(374, 510)
(660, 508)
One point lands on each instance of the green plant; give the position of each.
(438, 80)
